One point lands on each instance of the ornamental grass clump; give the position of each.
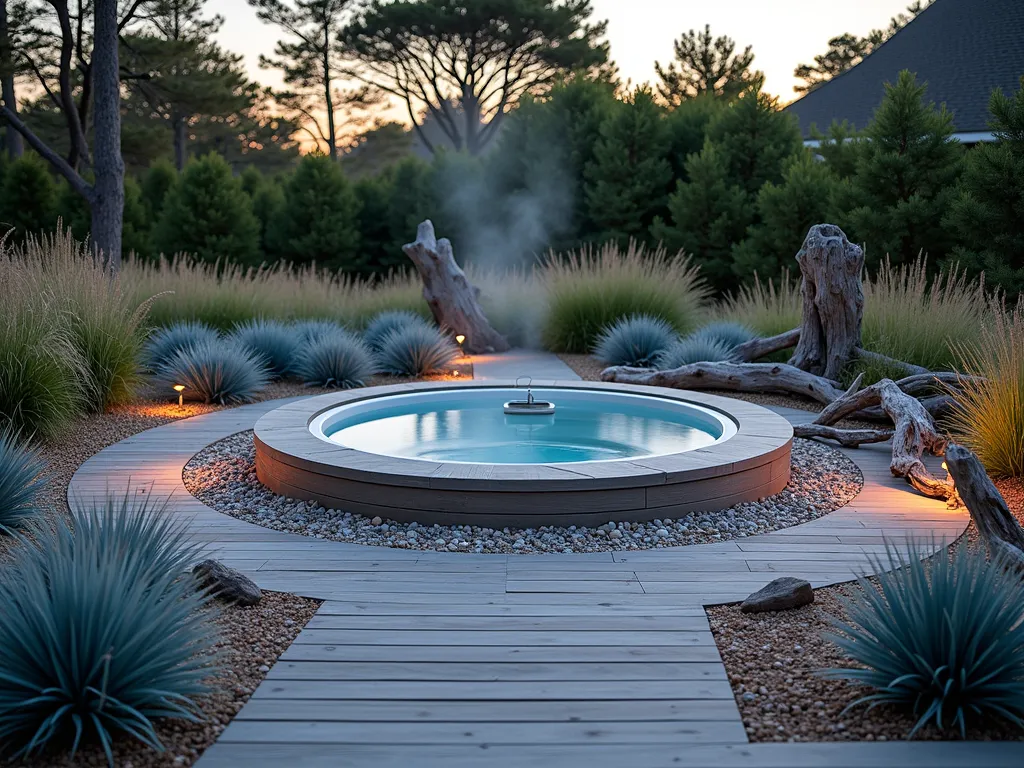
(276, 342)
(218, 371)
(589, 290)
(21, 480)
(103, 633)
(415, 350)
(943, 638)
(693, 349)
(309, 331)
(728, 333)
(636, 341)
(988, 411)
(164, 343)
(767, 308)
(341, 361)
(381, 325)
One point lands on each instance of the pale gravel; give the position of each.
(773, 659)
(223, 476)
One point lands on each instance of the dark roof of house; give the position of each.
(962, 49)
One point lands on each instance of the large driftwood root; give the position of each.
(913, 433)
(741, 377)
(833, 301)
(999, 529)
(451, 298)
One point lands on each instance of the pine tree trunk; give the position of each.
(180, 141)
(108, 189)
(12, 139)
(833, 301)
(450, 296)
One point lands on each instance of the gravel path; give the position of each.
(223, 476)
(773, 659)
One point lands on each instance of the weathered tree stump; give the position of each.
(833, 301)
(741, 377)
(999, 529)
(450, 296)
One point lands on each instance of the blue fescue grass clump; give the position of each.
(693, 349)
(309, 331)
(385, 322)
(636, 340)
(276, 342)
(944, 639)
(21, 480)
(728, 333)
(103, 631)
(164, 343)
(415, 350)
(219, 371)
(341, 361)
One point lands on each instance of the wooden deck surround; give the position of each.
(752, 464)
(448, 660)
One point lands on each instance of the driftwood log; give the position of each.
(998, 527)
(833, 301)
(450, 296)
(913, 432)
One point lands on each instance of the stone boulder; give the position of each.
(227, 583)
(779, 595)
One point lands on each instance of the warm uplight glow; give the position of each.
(944, 466)
(180, 389)
(459, 339)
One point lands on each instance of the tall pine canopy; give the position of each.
(706, 65)
(988, 212)
(629, 177)
(905, 178)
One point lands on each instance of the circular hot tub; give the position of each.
(436, 452)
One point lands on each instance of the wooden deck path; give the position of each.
(428, 659)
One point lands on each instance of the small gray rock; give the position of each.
(779, 595)
(227, 583)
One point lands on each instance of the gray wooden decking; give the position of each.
(421, 659)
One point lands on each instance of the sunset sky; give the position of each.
(783, 33)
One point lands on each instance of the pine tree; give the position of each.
(688, 127)
(840, 147)
(410, 203)
(785, 212)
(905, 178)
(988, 211)
(207, 215)
(755, 139)
(268, 207)
(708, 214)
(706, 65)
(319, 220)
(28, 198)
(135, 221)
(251, 179)
(629, 177)
(158, 181)
(374, 193)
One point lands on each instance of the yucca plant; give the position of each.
(415, 350)
(336, 361)
(636, 340)
(988, 411)
(590, 290)
(309, 331)
(21, 480)
(215, 372)
(276, 342)
(103, 631)
(164, 343)
(945, 639)
(729, 333)
(693, 349)
(381, 325)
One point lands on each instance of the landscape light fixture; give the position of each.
(458, 340)
(180, 389)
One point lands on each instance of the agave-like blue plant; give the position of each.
(383, 323)
(728, 333)
(313, 330)
(415, 350)
(21, 480)
(275, 341)
(635, 340)
(102, 631)
(336, 361)
(216, 372)
(944, 639)
(165, 342)
(692, 349)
